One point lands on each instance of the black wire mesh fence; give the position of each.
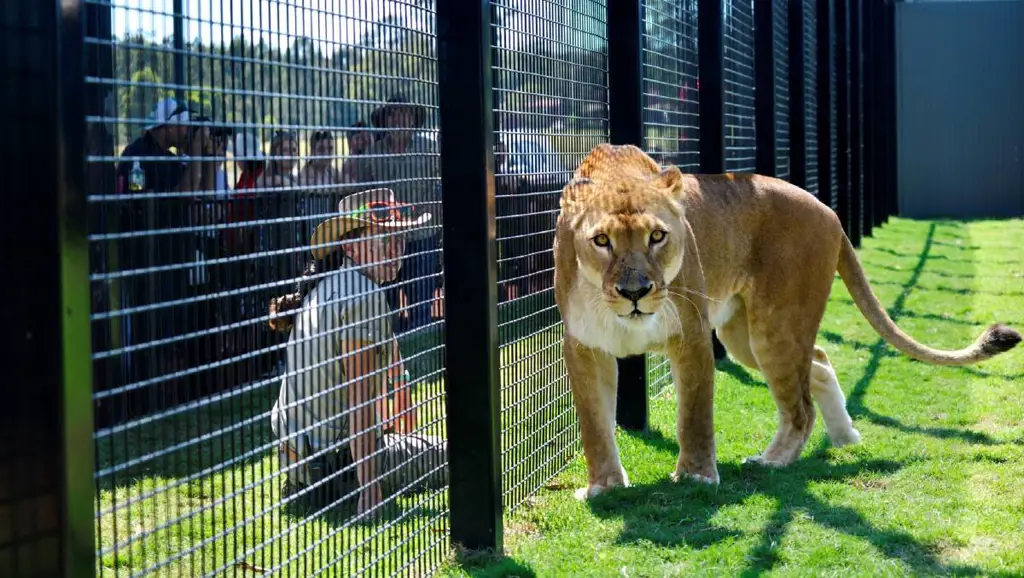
(671, 111)
(780, 45)
(810, 73)
(266, 271)
(550, 95)
(224, 444)
(740, 86)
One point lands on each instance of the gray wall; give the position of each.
(960, 108)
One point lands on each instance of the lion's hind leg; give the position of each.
(831, 401)
(782, 341)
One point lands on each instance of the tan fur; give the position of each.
(752, 256)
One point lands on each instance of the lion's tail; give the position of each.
(994, 340)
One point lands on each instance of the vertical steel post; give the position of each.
(842, 97)
(626, 126)
(764, 82)
(472, 381)
(797, 96)
(856, 123)
(823, 15)
(46, 434)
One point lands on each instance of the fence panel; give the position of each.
(226, 144)
(551, 99)
(671, 111)
(780, 45)
(740, 130)
(224, 446)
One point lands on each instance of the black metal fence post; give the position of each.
(880, 134)
(626, 126)
(711, 96)
(764, 92)
(870, 118)
(46, 453)
(889, 98)
(842, 59)
(824, 51)
(178, 58)
(797, 99)
(856, 123)
(472, 381)
(711, 63)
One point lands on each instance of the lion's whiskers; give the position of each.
(699, 294)
(695, 308)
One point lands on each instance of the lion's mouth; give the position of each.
(636, 314)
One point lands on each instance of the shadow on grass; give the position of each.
(486, 564)
(935, 316)
(880, 350)
(739, 373)
(673, 514)
(955, 290)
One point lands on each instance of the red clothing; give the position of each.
(241, 207)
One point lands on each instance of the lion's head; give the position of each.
(621, 223)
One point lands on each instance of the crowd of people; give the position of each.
(255, 267)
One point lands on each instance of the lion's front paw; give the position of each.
(597, 486)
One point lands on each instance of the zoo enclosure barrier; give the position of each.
(143, 444)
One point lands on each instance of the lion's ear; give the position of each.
(670, 178)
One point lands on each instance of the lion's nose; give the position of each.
(635, 291)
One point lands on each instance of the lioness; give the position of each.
(650, 259)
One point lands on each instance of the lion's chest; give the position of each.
(599, 329)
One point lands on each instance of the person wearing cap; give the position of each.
(341, 356)
(169, 127)
(408, 163)
(147, 166)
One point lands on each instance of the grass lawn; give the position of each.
(936, 487)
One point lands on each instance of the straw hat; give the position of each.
(372, 207)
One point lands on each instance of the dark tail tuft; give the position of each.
(1000, 339)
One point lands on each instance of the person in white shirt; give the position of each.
(341, 357)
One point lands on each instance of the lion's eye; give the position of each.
(657, 236)
(602, 240)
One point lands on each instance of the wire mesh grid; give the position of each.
(738, 42)
(810, 73)
(671, 112)
(780, 46)
(833, 107)
(236, 156)
(551, 98)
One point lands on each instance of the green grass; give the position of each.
(202, 493)
(935, 488)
